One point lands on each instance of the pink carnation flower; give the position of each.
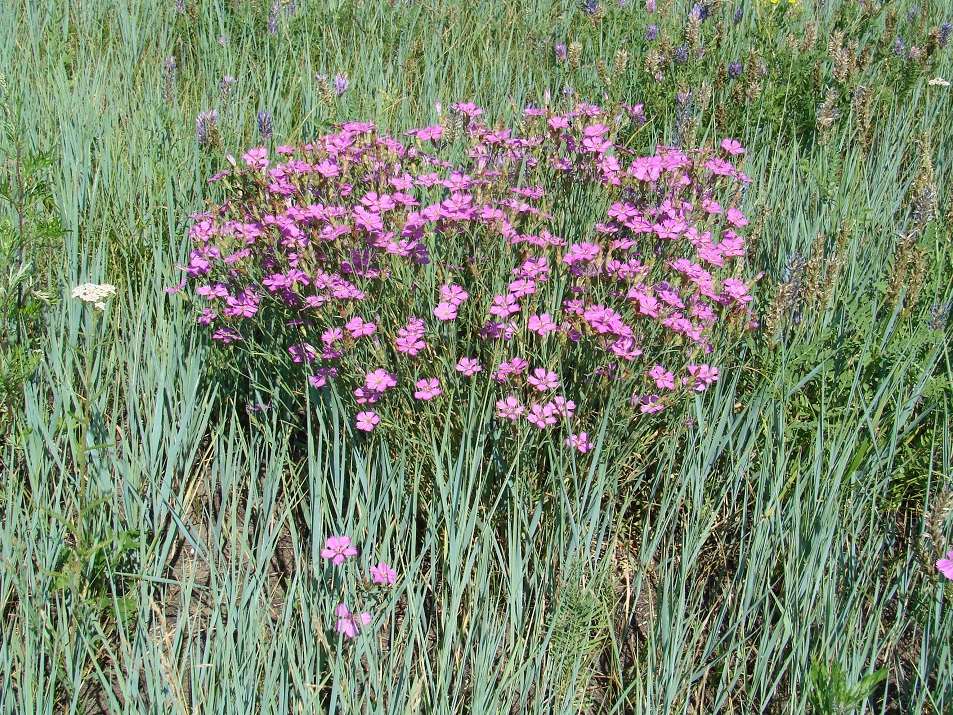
(453, 294)
(379, 381)
(701, 376)
(427, 133)
(445, 311)
(384, 574)
(664, 380)
(338, 548)
(256, 158)
(542, 416)
(732, 146)
(427, 389)
(580, 441)
(736, 218)
(469, 366)
(367, 420)
(350, 623)
(357, 327)
(542, 324)
(510, 408)
(543, 379)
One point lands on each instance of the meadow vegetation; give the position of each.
(500, 357)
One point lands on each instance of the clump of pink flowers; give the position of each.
(348, 240)
(339, 549)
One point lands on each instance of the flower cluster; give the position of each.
(337, 549)
(348, 240)
(95, 293)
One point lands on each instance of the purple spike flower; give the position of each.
(341, 83)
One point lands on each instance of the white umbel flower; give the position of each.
(939, 82)
(95, 293)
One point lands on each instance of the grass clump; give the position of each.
(778, 542)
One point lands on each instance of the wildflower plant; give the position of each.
(373, 262)
(338, 550)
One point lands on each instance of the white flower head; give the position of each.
(95, 293)
(939, 82)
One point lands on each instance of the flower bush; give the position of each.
(550, 262)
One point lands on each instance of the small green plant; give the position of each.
(830, 693)
(29, 232)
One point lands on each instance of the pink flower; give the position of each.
(410, 344)
(469, 366)
(367, 420)
(542, 324)
(648, 403)
(720, 167)
(732, 146)
(453, 294)
(504, 306)
(338, 548)
(580, 441)
(737, 290)
(565, 408)
(256, 158)
(701, 376)
(350, 623)
(946, 566)
(427, 389)
(510, 408)
(470, 109)
(435, 132)
(516, 366)
(581, 252)
(332, 335)
(358, 327)
(324, 374)
(736, 218)
(542, 416)
(664, 380)
(365, 396)
(379, 381)
(303, 352)
(523, 286)
(384, 574)
(543, 379)
(445, 311)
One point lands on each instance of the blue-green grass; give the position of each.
(160, 546)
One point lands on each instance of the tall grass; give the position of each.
(160, 545)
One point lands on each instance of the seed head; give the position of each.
(574, 53)
(207, 131)
(620, 63)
